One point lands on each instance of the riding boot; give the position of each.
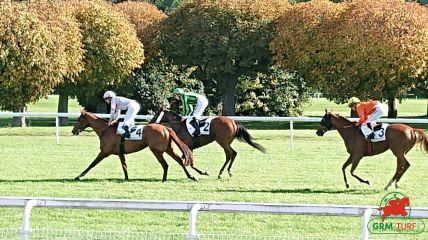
(127, 134)
(195, 124)
(367, 131)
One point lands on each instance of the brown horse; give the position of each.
(400, 139)
(155, 136)
(223, 130)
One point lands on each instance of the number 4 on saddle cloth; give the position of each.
(204, 126)
(136, 132)
(379, 131)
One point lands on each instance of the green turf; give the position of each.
(310, 172)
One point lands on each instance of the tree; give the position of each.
(366, 48)
(33, 57)
(112, 51)
(224, 39)
(144, 17)
(275, 93)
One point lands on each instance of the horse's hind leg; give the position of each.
(124, 166)
(159, 157)
(232, 159)
(171, 153)
(97, 160)
(402, 166)
(229, 152)
(355, 162)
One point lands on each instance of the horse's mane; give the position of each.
(93, 116)
(341, 117)
(174, 113)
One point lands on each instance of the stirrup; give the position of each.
(370, 136)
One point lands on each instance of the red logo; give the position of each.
(395, 206)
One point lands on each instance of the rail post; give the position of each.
(366, 218)
(57, 129)
(291, 133)
(192, 221)
(25, 232)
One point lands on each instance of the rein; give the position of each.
(348, 126)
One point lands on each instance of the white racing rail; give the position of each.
(291, 120)
(194, 207)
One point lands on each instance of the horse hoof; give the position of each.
(194, 178)
(347, 185)
(230, 174)
(397, 185)
(76, 179)
(219, 177)
(369, 183)
(206, 173)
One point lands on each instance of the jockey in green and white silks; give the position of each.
(117, 104)
(192, 104)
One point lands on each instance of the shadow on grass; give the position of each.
(90, 180)
(305, 191)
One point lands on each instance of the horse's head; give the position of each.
(81, 124)
(325, 124)
(165, 115)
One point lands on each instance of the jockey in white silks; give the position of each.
(117, 104)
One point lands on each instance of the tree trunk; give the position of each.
(427, 106)
(19, 121)
(63, 107)
(392, 108)
(229, 99)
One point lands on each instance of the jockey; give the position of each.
(122, 103)
(188, 100)
(368, 112)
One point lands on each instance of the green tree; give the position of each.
(366, 48)
(157, 78)
(275, 93)
(34, 55)
(112, 51)
(225, 39)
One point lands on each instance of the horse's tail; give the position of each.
(422, 139)
(188, 155)
(243, 135)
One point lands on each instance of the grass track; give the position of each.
(310, 172)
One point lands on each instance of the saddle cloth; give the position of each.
(379, 132)
(204, 126)
(135, 131)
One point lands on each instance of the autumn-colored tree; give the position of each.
(144, 17)
(223, 38)
(112, 51)
(366, 48)
(37, 52)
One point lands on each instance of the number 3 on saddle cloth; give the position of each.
(135, 131)
(204, 126)
(379, 132)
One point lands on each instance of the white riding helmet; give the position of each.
(109, 94)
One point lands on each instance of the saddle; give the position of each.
(136, 132)
(204, 126)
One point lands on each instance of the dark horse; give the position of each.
(223, 130)
(400, 139)
(155, 136)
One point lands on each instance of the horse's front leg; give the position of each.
(355, 162)
(124, 166)
(97, 160)
(345, 165)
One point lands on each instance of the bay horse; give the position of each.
(400, 139)
(155, 136)
(223, 130)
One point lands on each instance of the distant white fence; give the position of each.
(194, 207)
(291, 120)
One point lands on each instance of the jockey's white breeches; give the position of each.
(201, 104)
(380, 110)
(132, 111)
